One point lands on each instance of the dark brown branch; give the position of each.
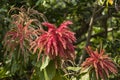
(100, 34)
(82, 30)
(83, 56)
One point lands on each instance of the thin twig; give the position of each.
(100, 34)
(83, 56)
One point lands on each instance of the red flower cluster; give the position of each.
(102, 64)
(18, 35)
(56, 41)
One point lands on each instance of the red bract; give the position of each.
(101, 63)
(18, 35)
(56, 41)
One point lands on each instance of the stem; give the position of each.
(83, 56)
(45, 75)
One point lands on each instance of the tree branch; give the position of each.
(100, 34)
(83, 56)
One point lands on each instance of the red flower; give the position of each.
(101, 63)
(56, 41)
(18, 35)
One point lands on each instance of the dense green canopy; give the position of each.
(95, 23)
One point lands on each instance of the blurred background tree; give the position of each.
(96, 22)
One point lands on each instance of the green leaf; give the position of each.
(38, 64)
(38, 2)
(93, 75)
(50, 71)
(57, 77)
(45, 63)
(73, 68)
(4, 73)
(38, 75)
(101, 2)
(84, 71)
(14, 67)
(85, 77)
(73, 78)
(85, 74)
(46, 75)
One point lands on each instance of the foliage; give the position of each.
(24, 23)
